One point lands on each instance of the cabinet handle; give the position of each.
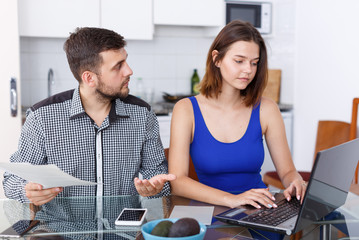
(13, 97)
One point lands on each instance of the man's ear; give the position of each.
(214, 57)
(89, 78)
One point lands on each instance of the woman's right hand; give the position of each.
(254, 197)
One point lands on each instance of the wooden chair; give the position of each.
(329, 134)
(191, 172)
(353, 130)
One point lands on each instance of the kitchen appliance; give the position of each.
(259, 14)
(13, 97)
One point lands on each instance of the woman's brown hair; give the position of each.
(234, 31)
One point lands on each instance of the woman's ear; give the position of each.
(214, 57)
(88, 78)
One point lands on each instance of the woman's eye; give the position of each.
(238, 61)
(255, 64)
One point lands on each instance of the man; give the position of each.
(96, 132)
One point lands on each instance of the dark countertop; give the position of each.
(283, 107)
(164, 108)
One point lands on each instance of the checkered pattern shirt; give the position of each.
(58, 131)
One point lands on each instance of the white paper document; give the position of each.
(202, 214)
(47, 175)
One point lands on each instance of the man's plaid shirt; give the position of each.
(58, 131)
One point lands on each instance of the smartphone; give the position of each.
(131, 216)
(19, 228)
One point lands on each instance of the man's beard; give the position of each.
(108, 93)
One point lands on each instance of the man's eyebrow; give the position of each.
(120, 62)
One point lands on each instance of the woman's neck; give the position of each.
(229, 98)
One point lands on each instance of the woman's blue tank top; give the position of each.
(231, 167)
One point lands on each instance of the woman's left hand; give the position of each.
(296, 188)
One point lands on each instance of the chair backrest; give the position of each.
(191, 171)
(353, 130)
(330, 134)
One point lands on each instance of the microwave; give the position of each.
(259, 14)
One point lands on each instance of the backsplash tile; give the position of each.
(165, 64)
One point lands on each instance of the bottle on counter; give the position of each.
(194, 83)
(139, 88)
(140, 91)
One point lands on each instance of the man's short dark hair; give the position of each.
(83, 48)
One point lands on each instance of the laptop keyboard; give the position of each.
(275, 216)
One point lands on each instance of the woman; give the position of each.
(222, 128)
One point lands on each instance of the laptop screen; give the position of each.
(327, 190)
(331, 177)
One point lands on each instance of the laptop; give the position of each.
(327, 190)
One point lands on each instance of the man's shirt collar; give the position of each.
(117, 109)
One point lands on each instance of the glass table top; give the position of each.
(94, 218)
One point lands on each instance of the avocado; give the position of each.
(184, 227)
(162, 228)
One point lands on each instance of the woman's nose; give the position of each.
(248, 68)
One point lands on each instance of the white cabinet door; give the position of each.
(165, 129)
(56, 18)
(10, 68)
(189, 12)
(130, 18)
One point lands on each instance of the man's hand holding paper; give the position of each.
(38, 196)
(45, 182)
(49, 176)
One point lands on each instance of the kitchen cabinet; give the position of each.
(56, 18)
(189, 13)
(133, 19)
(165, 129)
(10, 68)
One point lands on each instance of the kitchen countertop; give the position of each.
(164, 108)
(283, 107)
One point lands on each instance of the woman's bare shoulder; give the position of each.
(268, 105)
(183, 104)
(269, 113)
(183, 107)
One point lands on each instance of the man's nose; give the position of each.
(129, 71)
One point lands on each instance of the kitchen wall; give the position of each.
(326, 75)
(165, 63)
